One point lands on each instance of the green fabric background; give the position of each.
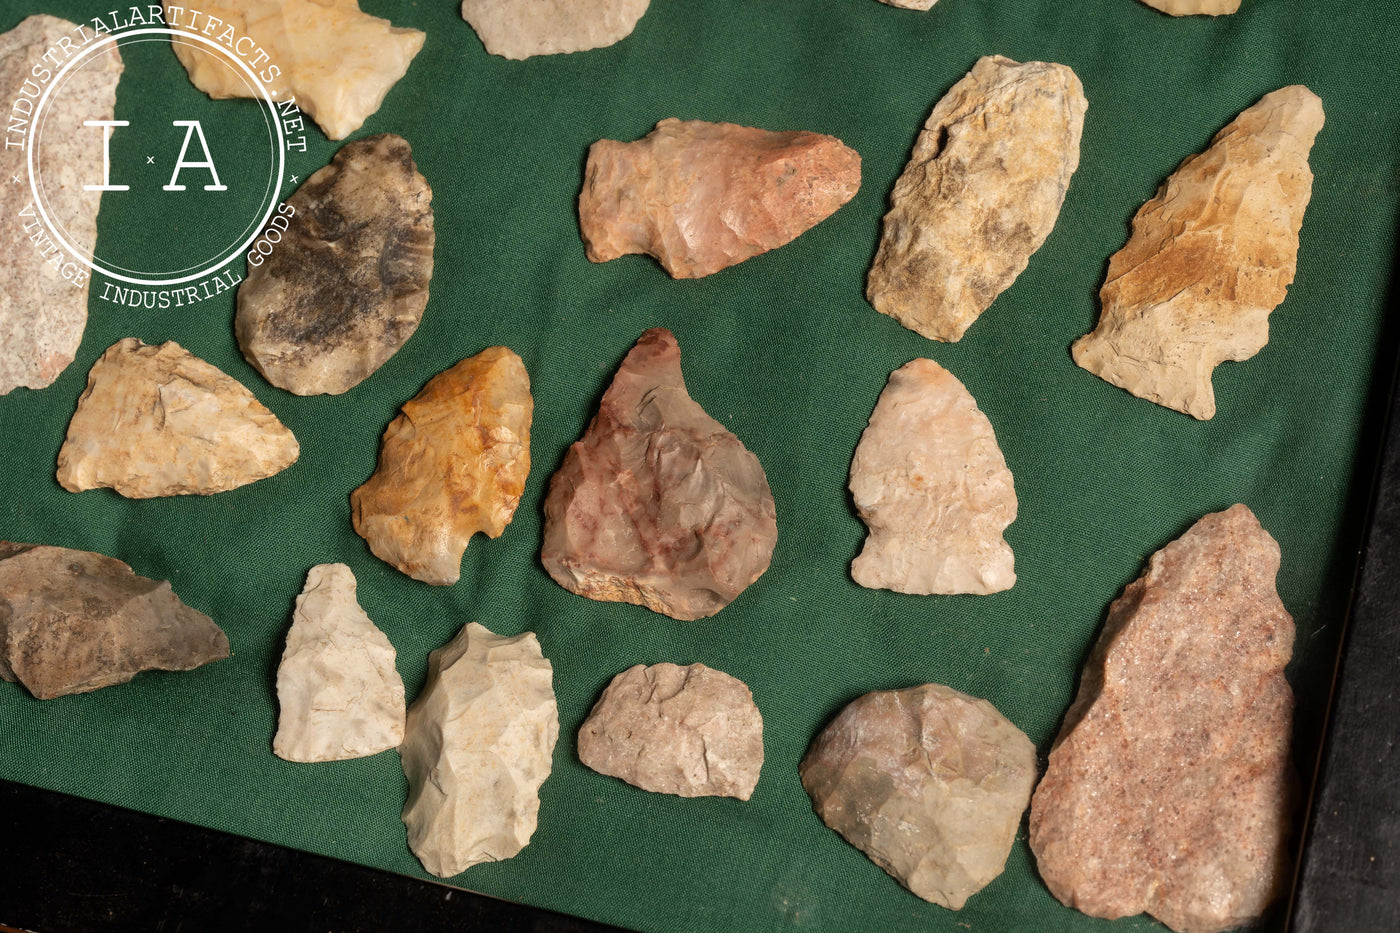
(784, 350)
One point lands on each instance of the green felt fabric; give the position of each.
(784, 350)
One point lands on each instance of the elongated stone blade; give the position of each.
(980, 194)
(1169, 788)
(522, 28)
(1210, 256)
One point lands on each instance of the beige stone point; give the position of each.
(452, 464)
(519, 29)
(1169, 788)
(929, 782)
(979, 196)
(930, 482)
(339, 693)
(75, 621)
(159, 421)
(1194, 7)
(334, 60)
(42, 312)
(479, 744)
(911, 4)
(1210, 256)
(691, 731)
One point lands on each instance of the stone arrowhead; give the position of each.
(339, 692)
(336, 62)
(522, 28)
(1210, 256)
(159, 421)
(929, 782)
(657, 504)
(911, 4)
(44, 298)
(700, 197)
(1169, 788)
(931, 483)
(979, 196)
(75, 621)
(691, 731)
(452, 464)
(478, 746)
(346, 286)
(1193, 7)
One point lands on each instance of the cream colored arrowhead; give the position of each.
(1210, 256)
(911, 4)
(521, 28)
(159, 421)
(1195, 7)
(932, 485)
(338, 690)
(335, 61)
(479, 744)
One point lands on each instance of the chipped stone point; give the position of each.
(159, 421)
(700, 197)
(75, 621)
(691, 731)
(911, 4)
(452, 464)
(519, 29)
(928, 782)
(1195, 7)
(338, 690)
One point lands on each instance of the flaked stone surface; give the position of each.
(75, 621)
(1210, 256)
(338, 691)
(911, 4)
(657, 504)
(159, 421)
(691, 731)
(930, 482)
(700, 197)
(1193, 7)
(347, 285)
(479, 744)
(928, 782)
(452, 464)
(522, 28)
(335, 61)
(42, 313)
(1169, 788)
(979, 196)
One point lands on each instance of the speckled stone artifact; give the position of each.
(43, 291)
(74, 621)
(479, 744)
(1194, 7)
(932, 485)
(979, 196)
(339, 694)
(691, 731)
(1210, 256)
(159, 421)
(522, 28)
(657, 504)
(347, 285)
(452, 464)
(1169, 788)
(700, 197)
(929, 782)
(335, 61)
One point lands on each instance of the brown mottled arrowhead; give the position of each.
(700, 197)
(347, 285)
(657, 504)
(42, 312)
(691, 731)
(335, 61)
(1210, 256)
(159, 421)
(979, 196)
(1195, 7)
(929, 480)
(75, 621)
(452, 464)
(1169, 788)
(521, 28)
(929, 782)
